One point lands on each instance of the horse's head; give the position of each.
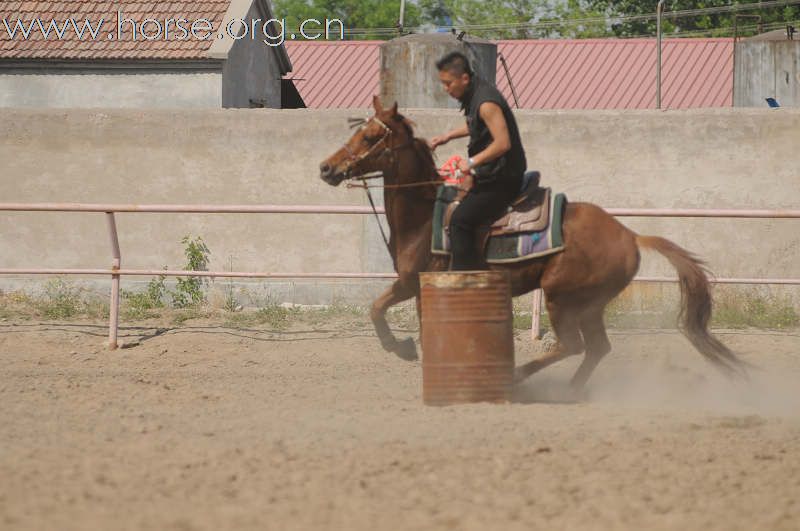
(372, 148)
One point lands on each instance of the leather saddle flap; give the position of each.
(530, 213)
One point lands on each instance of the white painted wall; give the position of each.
(60, 89)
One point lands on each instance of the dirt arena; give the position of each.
(203, 427)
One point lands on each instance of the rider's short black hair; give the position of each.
(456, 63)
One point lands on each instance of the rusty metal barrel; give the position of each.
(467, 337)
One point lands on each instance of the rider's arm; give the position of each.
(492, 116)
(448, 136)
(459, 132)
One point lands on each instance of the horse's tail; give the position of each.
(695, 304)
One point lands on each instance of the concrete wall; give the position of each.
(723, 158)
(93, 88)
(251, 71)
(767, 69)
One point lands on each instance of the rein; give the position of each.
(363, 184)
(359, 181)
(353, 159)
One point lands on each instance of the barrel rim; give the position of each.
(464, 279)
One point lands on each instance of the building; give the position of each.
(768, 66)
(140, 54)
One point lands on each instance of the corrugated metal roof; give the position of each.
(547, 74)
(336, 74)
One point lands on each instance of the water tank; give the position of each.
(408, 68)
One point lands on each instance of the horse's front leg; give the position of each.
(398, 292)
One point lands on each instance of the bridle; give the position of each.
(359, 180)
(353, 159)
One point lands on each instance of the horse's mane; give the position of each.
(420, 145)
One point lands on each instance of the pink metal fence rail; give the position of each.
(116, 270)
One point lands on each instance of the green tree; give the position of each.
(575, 19)
(382, 17)
(713, 24)
(517, 19)
(482, 13)
(379, 15)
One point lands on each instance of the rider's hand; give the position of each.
(466, 172)
(468, 182)
(438, 141)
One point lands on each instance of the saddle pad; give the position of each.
(518, 247)
(504, 248)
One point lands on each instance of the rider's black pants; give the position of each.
(481, 206)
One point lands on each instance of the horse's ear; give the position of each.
(393, 110)
(376, 103)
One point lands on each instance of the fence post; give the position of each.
(115, 265)
(536, 315)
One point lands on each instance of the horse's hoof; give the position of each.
(519, 377)
(406, 350)
(578, 394)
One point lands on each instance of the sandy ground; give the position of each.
(202, 427)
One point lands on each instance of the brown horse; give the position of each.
(600, 258)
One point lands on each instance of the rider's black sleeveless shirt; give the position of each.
(513, 164)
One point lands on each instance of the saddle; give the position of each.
(529, 212)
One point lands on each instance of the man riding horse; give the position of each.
(493, 173)
(599, 259)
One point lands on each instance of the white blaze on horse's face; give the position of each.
(359, 154)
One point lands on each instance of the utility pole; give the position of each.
(659, 11)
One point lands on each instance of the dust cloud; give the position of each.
(676, 377)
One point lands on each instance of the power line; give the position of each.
(742, 28)
(589, 20)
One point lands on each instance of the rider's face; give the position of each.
(453, 84)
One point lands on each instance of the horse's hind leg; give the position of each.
(567, 329)
(398, 292)
(597, 344)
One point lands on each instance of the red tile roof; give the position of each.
(547, 74)
(73, 48)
